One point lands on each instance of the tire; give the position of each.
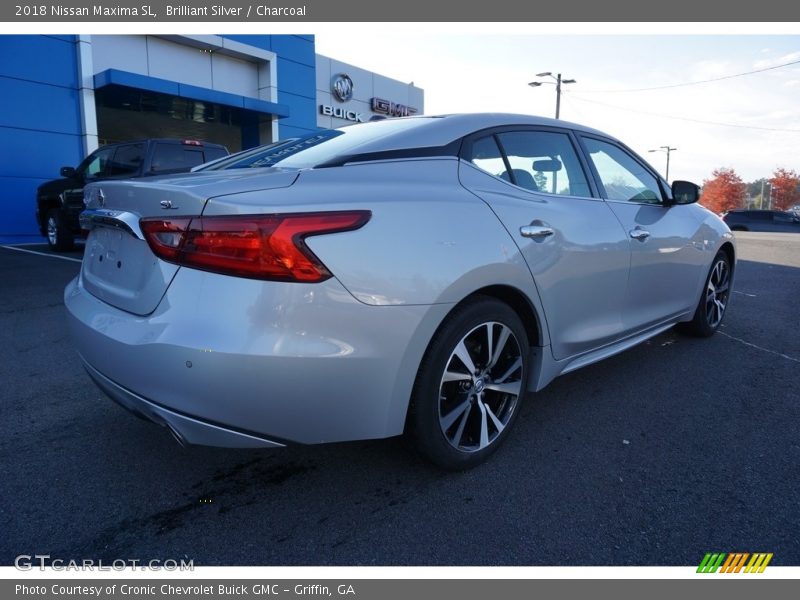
(59, 237)
(460, 414)
(713, 301)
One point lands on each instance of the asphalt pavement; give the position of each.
(675, 448)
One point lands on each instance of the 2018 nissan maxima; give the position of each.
(412, 275)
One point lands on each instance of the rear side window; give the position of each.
(127, 161)
(174, 158)
(544, 161)
(486, 155)
(540, 161)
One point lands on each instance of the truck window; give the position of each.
(173, 158)
(127, 161)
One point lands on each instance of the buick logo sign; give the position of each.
(342, 87)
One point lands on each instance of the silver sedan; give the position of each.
(414, 275)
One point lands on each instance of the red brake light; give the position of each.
(268, 247)
(192, 142)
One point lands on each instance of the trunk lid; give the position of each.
(118, 265)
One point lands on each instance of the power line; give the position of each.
(675, 85)
(642, 112)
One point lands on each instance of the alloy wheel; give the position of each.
(480, 387)
(52, 231)
(717, 292)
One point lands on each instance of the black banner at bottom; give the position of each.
(387, 589)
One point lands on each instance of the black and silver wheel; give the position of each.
(714, 300)
(58, 235)
(470, 384)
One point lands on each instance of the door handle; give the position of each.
(536, 231)
(639, 234)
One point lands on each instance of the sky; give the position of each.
(473, 72)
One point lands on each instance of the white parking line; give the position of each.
(77, 260)
(744, 294)
(786, 356)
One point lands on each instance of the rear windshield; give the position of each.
(172, 158)
(319, 147)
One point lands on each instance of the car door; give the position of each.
(536, 183)
(666, 241)
(92, 168)
(785, 222)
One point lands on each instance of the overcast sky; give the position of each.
(474, 72)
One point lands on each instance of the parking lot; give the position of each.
(656, 456)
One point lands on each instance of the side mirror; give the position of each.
(685, 192)
(67, 171)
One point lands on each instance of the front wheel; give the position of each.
(59, 237)
(470, 384)
(714, 300)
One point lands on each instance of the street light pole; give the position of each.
(666, 149)
(558, 96)
(558, 82)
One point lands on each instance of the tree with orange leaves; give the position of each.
(724, 191)
(785, 189)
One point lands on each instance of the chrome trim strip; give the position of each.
(105, 217)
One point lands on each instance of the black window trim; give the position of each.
(466, 151)
(451, 149)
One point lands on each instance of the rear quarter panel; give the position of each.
(429, 240)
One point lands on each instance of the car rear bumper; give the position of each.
(185, 429)
(232, 362)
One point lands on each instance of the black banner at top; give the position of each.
(497, 11)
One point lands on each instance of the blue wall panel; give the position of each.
(38, 58)
(296, 78)
(37, 154)
(39, 106)
(294, 48)
(17, 210)
(287, 131)
(303, 113)
(39, 124)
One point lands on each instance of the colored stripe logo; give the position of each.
(734, 562)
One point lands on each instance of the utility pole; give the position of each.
(666, 149)
(558, 82)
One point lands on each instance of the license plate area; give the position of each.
(121, 270)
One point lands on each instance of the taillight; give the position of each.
(256, 246)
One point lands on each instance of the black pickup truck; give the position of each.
(60, 201)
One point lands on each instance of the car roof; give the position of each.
(440, 130)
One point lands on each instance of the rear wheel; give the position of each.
(59, 237)
(714, 300)
(470, 384)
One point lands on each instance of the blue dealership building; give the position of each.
(65, 95)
